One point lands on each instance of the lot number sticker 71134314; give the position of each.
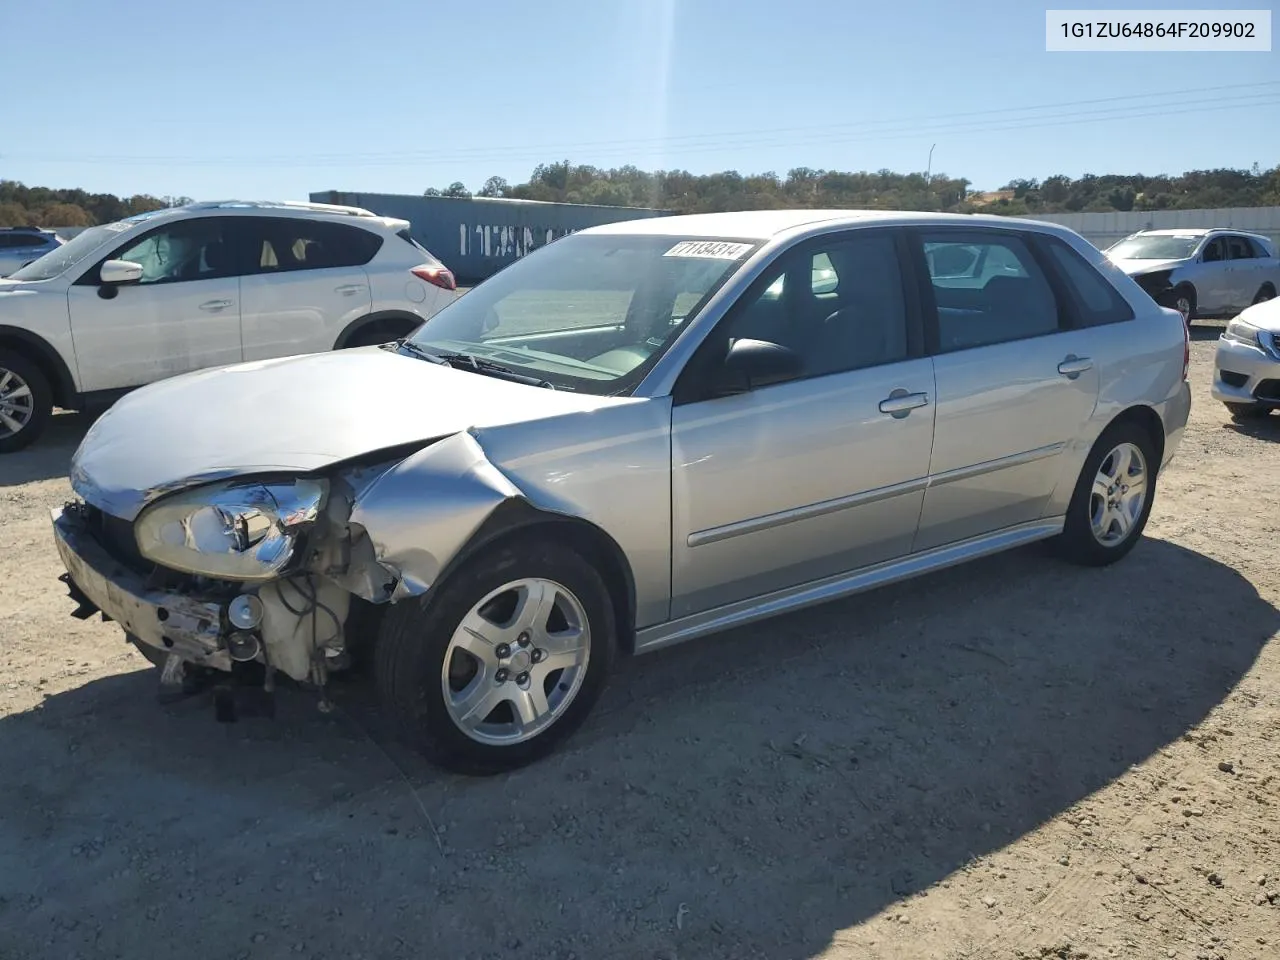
(708, 249)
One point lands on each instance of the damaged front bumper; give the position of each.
(168, 622)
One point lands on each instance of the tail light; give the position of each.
(1186, 348)
(437, 275)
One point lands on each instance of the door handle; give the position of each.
(349, 289)
(900, 403)
(1073, 366)
(215, 304)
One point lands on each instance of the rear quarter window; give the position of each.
(1093, 300)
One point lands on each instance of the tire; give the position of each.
(1183, 299)
(380, 331)
(1245, 412)
(1078, 541)
(25, 399)
(1265, 292)
(420, 653)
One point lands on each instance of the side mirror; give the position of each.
(120, 271)
(759, 363)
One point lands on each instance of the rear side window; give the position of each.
(1239, 248)
(1094, 299)
(286, 245)
(14, 240)
(988, 289)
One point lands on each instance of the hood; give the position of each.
(293, 415)
(1264, 316)
(1133, 267)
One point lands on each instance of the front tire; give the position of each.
(1112, 498)
(1183, 300)
(503, 662)
(26, 402)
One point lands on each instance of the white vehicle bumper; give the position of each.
(1245, 374)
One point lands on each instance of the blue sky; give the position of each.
(278, 98)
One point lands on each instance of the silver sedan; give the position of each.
(1246, 368)
(639, 434)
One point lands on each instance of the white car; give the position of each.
(1246, 368)
(209, 284)
(1201, 273)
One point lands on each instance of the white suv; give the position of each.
(210, 284)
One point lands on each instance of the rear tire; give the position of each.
(1265, 292)
(499, 664)
(379, 332)
(1245, 412)
(1104, 521)
(26, 402)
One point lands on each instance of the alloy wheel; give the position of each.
(516, 662)
(17, 403)
(1119, 494)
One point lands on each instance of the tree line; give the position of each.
(23, 206)
(684, 192)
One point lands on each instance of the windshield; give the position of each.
(61, 259)
(588, 312)
(1163, 247)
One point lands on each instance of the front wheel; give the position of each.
(1184, 301)
(1112, 498)
(26, 402)
(504, 662)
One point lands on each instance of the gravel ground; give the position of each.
(1012, 759)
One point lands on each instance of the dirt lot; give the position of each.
(1015, 759)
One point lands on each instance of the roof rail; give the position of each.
(281, 205)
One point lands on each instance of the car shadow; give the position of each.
(49, 456)
(748, 795)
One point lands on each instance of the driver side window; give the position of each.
(187, 250)
(838, 305)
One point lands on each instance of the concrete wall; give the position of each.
(1104, 229)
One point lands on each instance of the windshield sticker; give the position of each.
(708, 250)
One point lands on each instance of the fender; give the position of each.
(398, 316)
(50, 362)
(412, 524)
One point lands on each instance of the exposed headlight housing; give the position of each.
(238, 530)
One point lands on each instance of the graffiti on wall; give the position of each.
(504, 242)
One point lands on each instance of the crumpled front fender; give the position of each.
(409, 520)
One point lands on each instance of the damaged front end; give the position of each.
(272, 569)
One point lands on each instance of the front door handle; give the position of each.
(1073, 366)
(215, 304)
(900, 403)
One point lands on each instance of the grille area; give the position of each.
(116, 537)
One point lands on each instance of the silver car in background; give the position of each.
(639, 434)
(1201, 273)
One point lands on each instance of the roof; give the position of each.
(1196, 232)
(765, 224)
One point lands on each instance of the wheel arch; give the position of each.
(1267, 285)
(43, 354)
(1149, 420)
(410, 320)
(517, 518)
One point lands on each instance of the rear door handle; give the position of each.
(900, 403)
(215, 304)
(349, 289)
(1073, 366)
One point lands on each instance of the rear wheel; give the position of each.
(26, 402)
(380, 331)
(1265, 293)
(502, 664)
(1112, 498)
